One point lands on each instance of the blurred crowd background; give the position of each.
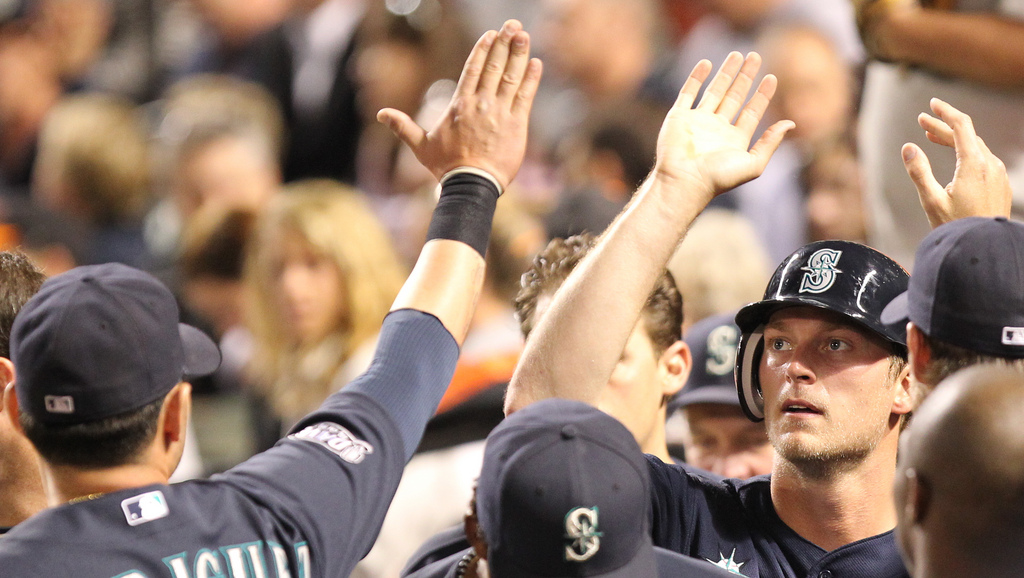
(231, 147)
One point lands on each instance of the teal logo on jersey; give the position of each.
(729, 563)
(821, 271)
(248, 560)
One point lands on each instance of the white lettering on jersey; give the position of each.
(302, 558)
(280, 560)
(337, 439)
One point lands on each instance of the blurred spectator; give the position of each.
(228, 30)
(221, 142)
(29, 87)
(834, 188)
(93, 166)
(816, 84)
(398, 58)
(307, 64)
(587, 77)
(322, 274)
(602, 169)
(719, 266)
(719, 437)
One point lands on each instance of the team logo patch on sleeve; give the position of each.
(145, 508)
(821, 271)
(337, 439)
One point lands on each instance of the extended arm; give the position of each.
(701, 152)
(484, 128)
(981, 47)
(980, 185)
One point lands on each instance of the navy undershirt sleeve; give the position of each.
(410, 372)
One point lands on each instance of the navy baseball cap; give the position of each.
(967, 288)
(713, 342)
(564, 491)
(102, 340)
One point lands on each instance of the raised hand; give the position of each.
(980, 185)
(707, 148)
(486, 121)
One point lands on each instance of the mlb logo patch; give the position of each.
(59, 404)
(145, 508)
(1013, 336)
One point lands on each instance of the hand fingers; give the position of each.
(751, 114)
(475, 64)
(404, 127)
(523, 101)
(769, 142)
(518, 60)
(929, 190)
(964, 137)
(715, 91)
(497, 58)
(688, 93)
(937, 131)
(737, 93)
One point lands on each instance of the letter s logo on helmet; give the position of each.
(821, 271)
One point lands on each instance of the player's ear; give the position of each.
(10, 405)
(675, 364)
(175, 413)
(919, 497)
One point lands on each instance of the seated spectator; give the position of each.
(719, 438)
(322, 274)
(960, 484)
(94, 166)
(834, 193)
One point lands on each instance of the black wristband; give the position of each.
(465, 211)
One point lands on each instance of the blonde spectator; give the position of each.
(93, 166)
(719, 266)
(321, 276)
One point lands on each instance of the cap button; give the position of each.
(568, 432)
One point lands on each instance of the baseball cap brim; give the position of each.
(723, 394)
(897, 311)
(202, 357)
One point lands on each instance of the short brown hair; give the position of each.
(662, 313)
(20, 279)
(947, 359)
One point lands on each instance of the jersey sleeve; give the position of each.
(330, 482)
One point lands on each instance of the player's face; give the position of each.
(723, 441)
(829, 395)
(310, 290)
(636, 390)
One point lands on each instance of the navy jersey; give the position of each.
(310, 506)
(733, 524)
(670, 565)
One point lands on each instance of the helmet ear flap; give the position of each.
(748, 385)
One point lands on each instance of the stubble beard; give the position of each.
(829, 451)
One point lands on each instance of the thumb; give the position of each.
(920, 171)
(769, 142)
(404, 127)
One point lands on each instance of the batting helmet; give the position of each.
(841, 276)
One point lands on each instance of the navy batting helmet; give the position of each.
(841, 276)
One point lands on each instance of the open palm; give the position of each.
(709, 145)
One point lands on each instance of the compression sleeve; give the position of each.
(411, 370)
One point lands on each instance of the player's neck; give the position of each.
(655, 443)
(66, 484)
(842, 506)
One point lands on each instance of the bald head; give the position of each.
(960, 486)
